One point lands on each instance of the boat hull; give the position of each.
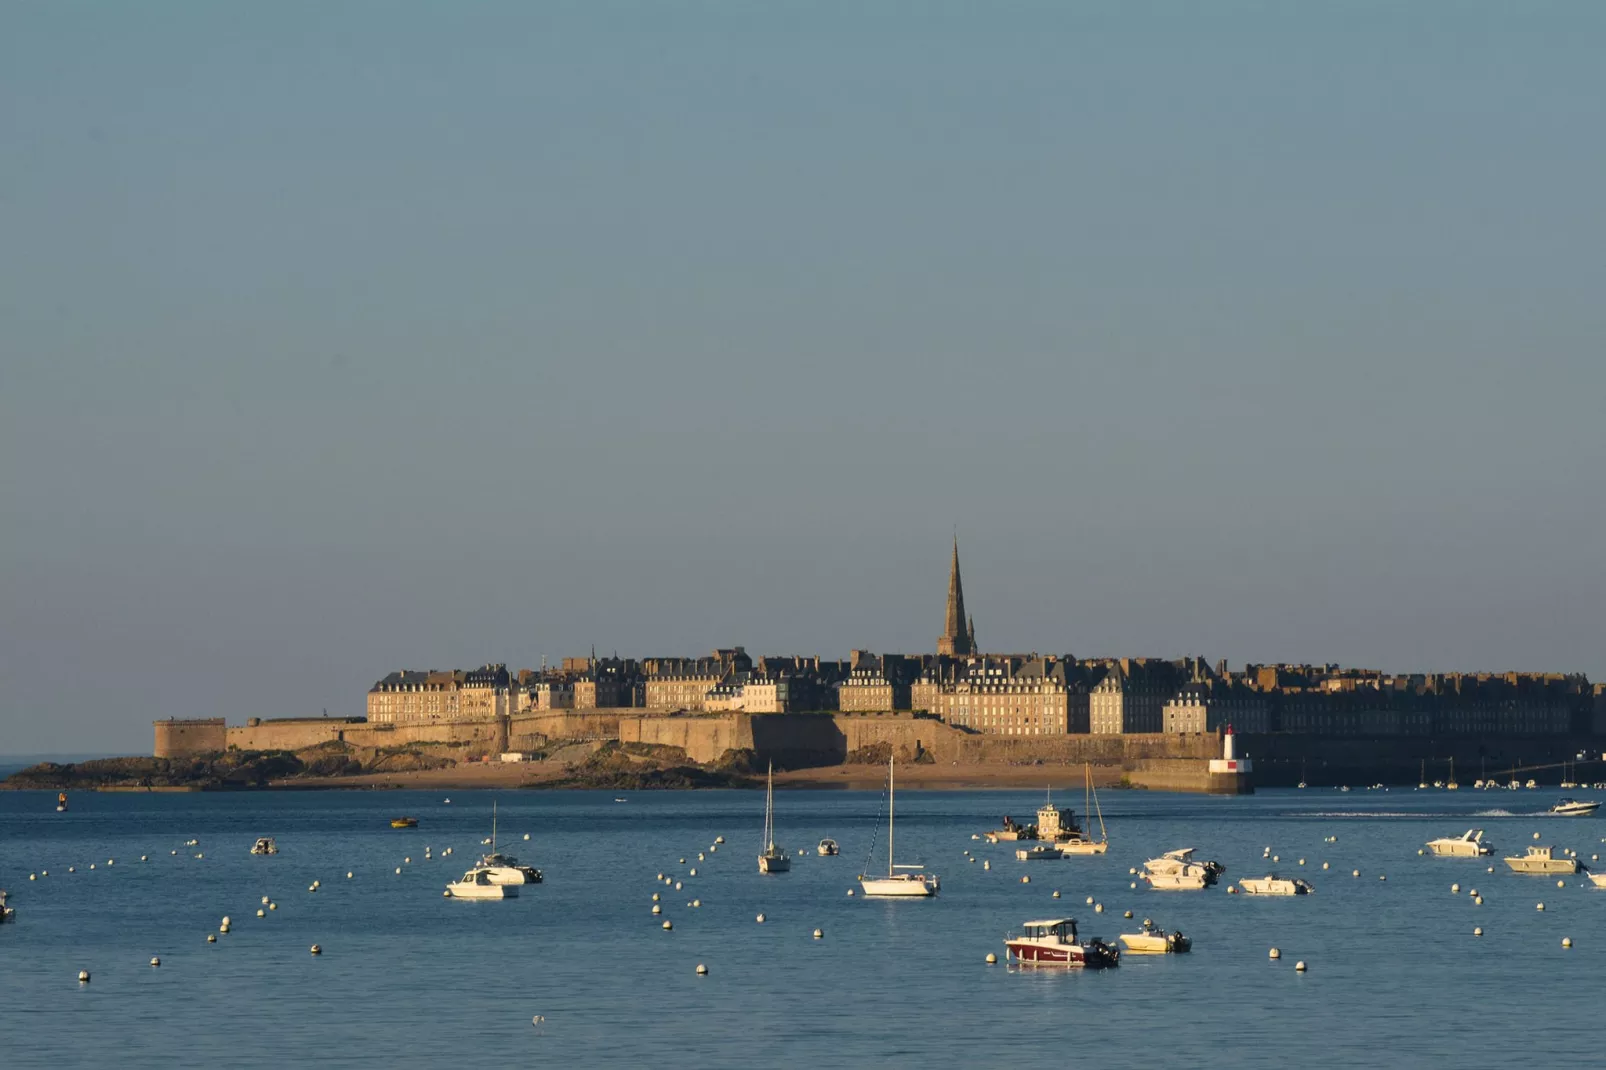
(1272, 886)
(1083, 848)
(1029, 953)
(1176, 882)
(483, 891)
(1459, 849)
(772, 864)
(894, 888)
(1543, 866)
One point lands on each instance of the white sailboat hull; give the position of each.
(900, 887)
(774, 864)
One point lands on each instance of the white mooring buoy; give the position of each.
(155, 960)
(759, 919)
(211, 938)
(696, 902)
(1478, 931)
(1025, 879)
(668, 925)
(702, 971)
(1299, 967)
(1056, 893)
(316, 949)
(819, 934)
(1561, 884)
(656, 909)
(83, 977)
(1566, 941)
(261, 913)
(992, 959)
(1275, 953)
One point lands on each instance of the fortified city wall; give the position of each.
(178, 739)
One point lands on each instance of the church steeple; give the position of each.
(956, 638)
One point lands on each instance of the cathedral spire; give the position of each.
(955, 639)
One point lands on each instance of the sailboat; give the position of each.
(1451, 785)
(913, 882)
(504, 869)
(1422, 776)
(1302, 773)
(774, 859)
(61, 802)
(1078, 845)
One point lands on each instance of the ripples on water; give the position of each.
(409, 978)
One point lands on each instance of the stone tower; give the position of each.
(956, 636)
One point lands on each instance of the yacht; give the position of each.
(1054, 942)
(477, 884)
(1176, 871)
(1467, 845)
(1273, 885)
(1573, 808)
(1543, 861)
(913, 882)
(1154, 941)
(504, 869)
(264, 846)
(828, 847)
(773, 859)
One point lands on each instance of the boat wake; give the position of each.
(1494, 813)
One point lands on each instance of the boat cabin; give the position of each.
(1058, 930)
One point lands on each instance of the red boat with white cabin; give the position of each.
(1054, 942)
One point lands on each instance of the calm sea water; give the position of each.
(409, 978)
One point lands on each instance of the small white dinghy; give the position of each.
(264, 846)
(828, 847)
(1274, 885)
(477, 884)
(1041, 853)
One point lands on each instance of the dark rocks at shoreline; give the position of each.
(645, 767)
(226, 770)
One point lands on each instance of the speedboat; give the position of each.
(1573, 808)
(1041, 853)
(913, 882)
(477, 884)
(1154, 941)
(1467, 845)
(1273, 885)
(1054, 942)
(264, 846)
(1543, 861)
(1177, 871)
(828, 847)
(404, 822)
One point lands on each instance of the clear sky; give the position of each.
(342, 337)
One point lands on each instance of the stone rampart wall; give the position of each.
(180, 739)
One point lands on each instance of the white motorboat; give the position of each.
(828, 847)
(1597, 879)
(913, 882)
(264, 846)
(1176, 871)
(1274, 885)
(1041, 853)
(1574, 808)
(773, 859)
(1467, 845)
(477, 884)
(1054, 942)
(505, 869)
(1151, 940)
(1543, 861)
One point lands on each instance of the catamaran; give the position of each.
(913, 882)
(774, 859)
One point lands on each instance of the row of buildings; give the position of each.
(1017, 694)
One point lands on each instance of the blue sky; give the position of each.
(346, 337)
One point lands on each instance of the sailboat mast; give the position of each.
(890, 790)
(493, 826)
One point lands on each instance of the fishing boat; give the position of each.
(828, 847)
(1542, 861)
(1467, 845)
(404, 822)
(1573, 808)
(477, 884)
(1274, 885)
(913, 882)
(1151, 940)
(1078, 844)
(504, 869)
(1054, 942)
(61, 802)
(1176, 871)
(773, 859)
(264, 846)
(1012, 830)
